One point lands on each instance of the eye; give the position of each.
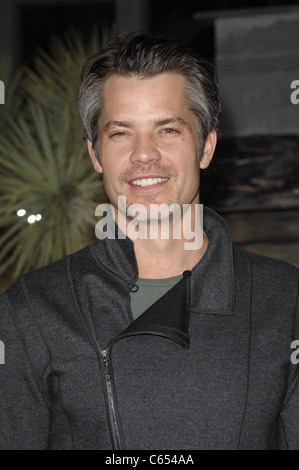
(170, 130)
(117, 135)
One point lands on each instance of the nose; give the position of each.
(145, 150)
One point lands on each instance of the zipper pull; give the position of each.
(106, 365)
(187, 275)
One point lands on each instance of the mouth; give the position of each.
(145, 182)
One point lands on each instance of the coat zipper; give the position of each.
(111, 404)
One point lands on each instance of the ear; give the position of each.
(95, 161)
(209, 149)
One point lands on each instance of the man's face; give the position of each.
(148, 141)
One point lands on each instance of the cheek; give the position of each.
(192, 173)
(108, 180)
(113, 160)
(113, 149)
(185, 157)
(111, 177)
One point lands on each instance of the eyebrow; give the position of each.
(160, 122)
(172, 120)
(111, 124)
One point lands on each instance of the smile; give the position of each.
(148, 181)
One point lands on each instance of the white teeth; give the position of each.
(148, 181)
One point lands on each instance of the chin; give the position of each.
(153, 212)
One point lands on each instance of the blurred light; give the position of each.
(31, 219)
(21, 212)
(38, 217)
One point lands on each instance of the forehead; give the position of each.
(166, 89)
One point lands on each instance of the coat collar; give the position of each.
(207, 289)
(212, 280)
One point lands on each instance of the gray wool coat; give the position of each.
(208, 366)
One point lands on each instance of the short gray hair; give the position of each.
(145, 56)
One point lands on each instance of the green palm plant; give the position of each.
(54, 79)
(44, 165)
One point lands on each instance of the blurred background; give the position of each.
(48, 190)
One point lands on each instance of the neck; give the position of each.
(158, 259)
(167, 247)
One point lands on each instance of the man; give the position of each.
(140, 342)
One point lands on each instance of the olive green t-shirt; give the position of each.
(149, 291)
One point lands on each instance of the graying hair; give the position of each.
(145, 56)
